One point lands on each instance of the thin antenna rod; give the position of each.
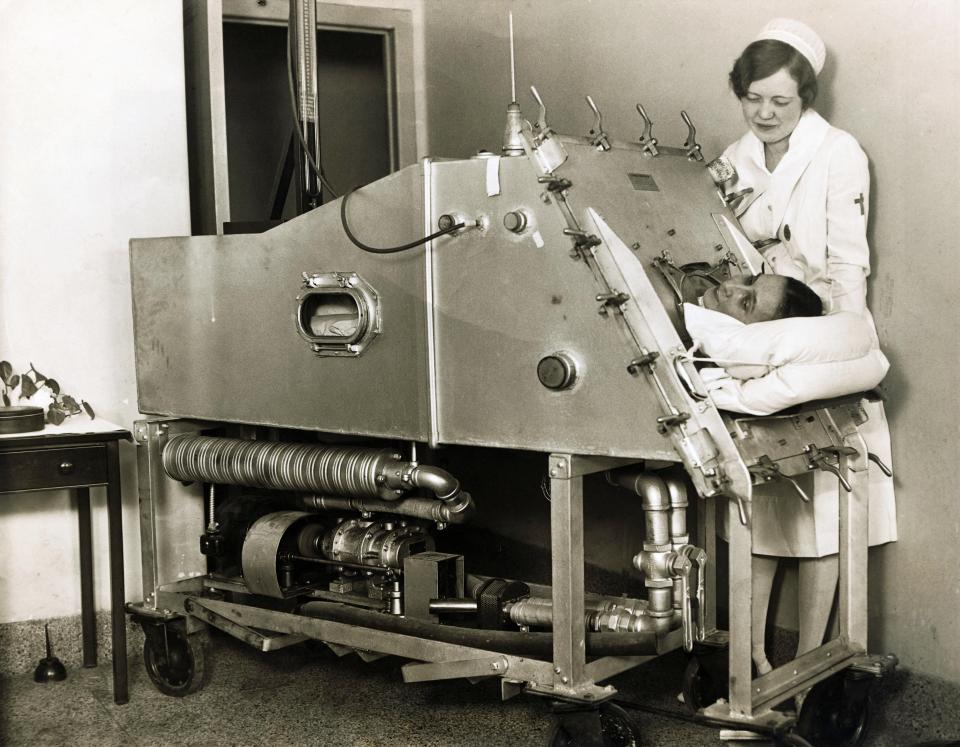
(513, 66)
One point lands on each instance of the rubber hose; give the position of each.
(501, 641)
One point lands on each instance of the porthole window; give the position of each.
(338, 313)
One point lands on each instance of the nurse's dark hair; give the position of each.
(763, 58)
(798, 300)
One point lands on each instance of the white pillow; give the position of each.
(769, 366)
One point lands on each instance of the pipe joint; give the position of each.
(655, 566)
(651, 489)
(438, 481)
(677, 492)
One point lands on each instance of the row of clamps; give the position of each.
(826, 459)
(541, 135)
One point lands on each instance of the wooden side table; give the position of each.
(78, 455)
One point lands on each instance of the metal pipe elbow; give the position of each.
(459, 509)
(438, 481)
(677, 492)
(650, 488)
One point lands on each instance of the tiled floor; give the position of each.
(301, 696)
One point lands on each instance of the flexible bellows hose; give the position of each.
(336, 470)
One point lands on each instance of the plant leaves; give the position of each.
(27, 387)
(89, 410)
(55, 415)
(37, 376)
(14, 380)
(6, 371)
(6, 400)
(52, 385)
(69, 404)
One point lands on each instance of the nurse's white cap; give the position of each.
(799, 36)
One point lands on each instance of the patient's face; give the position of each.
(749, 299)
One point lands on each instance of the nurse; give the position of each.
(805, 192)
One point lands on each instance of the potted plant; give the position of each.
(59, 407)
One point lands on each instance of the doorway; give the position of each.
(235, 67)
(353, 104)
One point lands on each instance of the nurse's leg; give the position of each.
(764, 569)
(817, 590)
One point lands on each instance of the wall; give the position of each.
(417, 12)
(891, 78)
(354, 146)
(92, 153)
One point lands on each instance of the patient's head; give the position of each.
(762, 298)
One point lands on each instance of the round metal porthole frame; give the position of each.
(369, 321)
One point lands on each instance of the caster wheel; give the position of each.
(175, 661)
(617, 729)
(836, 711)
(705, 680)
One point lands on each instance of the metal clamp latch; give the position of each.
(876, 460)
(688, 566)
(824, 459)
(555, 183)
(646, 360)
(599, 140)
(766, 470)
(582, 241)
(647, 140)
(692, 146)
(613, 299)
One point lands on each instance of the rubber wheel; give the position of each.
(176, 661)
(705, 681)
(836, 712)
(617, 729)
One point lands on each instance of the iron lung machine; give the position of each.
(291, 377)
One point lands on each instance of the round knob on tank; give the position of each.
(450, 220)
(557, 371)
(515, 221)
(447, 221)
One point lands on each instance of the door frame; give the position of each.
(206, 100)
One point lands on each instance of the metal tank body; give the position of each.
(541, 324)
(463, 322)
(215, 322)
(505, 300)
